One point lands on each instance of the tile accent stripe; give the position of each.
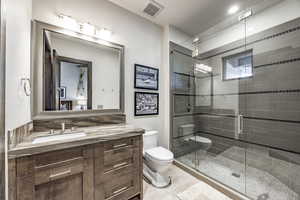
(193, 76)
(233, 116)
(278, 63)
(242, 93)
(255, 67)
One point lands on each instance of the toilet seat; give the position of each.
(159, 154)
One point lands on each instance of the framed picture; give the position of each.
(146, 77)
(146, 103)
(63, 92)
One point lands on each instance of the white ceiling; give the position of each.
(190, 16)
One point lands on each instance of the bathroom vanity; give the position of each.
(77, 147)
(104, 164)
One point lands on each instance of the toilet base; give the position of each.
(156, 179)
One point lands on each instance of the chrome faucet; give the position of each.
(63, 127)
(73, 128)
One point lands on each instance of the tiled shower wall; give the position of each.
(269, 101)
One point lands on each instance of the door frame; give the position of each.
(2, 99)
(88, 65)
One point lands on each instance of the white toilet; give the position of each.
(156, 160)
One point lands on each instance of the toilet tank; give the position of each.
(150, 139)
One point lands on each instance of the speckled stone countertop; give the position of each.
(93, 135)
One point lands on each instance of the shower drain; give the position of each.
(236, 175)
(264, 196)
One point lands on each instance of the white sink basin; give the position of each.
(52, 138)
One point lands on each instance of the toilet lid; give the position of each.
(160, 153)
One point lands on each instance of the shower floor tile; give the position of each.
(264, 177)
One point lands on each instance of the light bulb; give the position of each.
(69, 23)
(88, 29)
(104, 33)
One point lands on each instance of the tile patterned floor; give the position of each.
(183, 184)
(263, 176)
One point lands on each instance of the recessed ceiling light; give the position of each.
(233, 9)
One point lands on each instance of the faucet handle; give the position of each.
(63, 126)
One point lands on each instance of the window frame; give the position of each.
(225, 58)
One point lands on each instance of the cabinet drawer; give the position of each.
(117, 158)
(122, 180)
(115, 144)
(51, 172)
(57, 156)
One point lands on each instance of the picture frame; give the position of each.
(146, 103)
(146, 77)
(63, 92)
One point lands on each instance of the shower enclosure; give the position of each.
(236, 111)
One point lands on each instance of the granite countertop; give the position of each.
(93, 135)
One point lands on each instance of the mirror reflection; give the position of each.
(80, 75)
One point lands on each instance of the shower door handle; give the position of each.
(240, 124)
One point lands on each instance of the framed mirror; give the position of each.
(73, 73)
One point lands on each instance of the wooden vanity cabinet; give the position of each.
(105, 171)
(58, 175)
(118, 169)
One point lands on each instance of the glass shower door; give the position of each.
(271, 114)
(220, 155)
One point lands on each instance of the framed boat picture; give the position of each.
(146, 77)
(146, 104)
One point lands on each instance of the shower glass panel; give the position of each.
(205, 118)
(236, 107)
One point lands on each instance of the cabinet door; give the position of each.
(118, 169)
(68, 188)
(62, 175)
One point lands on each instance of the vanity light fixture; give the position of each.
(85, 28)
(233, 9)
(69, 22)
(88, 29)
(104, 33)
